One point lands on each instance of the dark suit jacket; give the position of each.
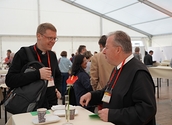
(148, 60)
(133, 97)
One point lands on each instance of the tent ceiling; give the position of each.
(153, 17)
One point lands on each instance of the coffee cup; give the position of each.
(72, 114)
(41, 114)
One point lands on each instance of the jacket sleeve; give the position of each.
(94, 72)
(56, 71)
(96, 97)
(16, 78)
(58, 79)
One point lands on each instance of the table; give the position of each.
(81, 119)
(160, 72)
(4, 71)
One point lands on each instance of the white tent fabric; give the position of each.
(83, 22)
(151, 17)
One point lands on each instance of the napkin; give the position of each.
(94, 116)
(35, 113)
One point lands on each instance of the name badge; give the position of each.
(50, 82)
(106, 97)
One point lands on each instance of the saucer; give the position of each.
(62, 112)
(49, 119)
(60, 107)
(57, 107)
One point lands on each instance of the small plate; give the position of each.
(62, 112)
(60, 107)
(49, 119)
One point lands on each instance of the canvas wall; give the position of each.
(68, 44)
(20, 19)
(75, 26)
(165, 40)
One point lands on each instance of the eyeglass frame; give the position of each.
(51, 38)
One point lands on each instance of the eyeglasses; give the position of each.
(51, 38)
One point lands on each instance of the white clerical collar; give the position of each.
(43, 53)
(126, 60)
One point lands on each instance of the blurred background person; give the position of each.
(80, 51)
(148, 58)
(64, 65)
(71, 58)
(10, 60)
(82, 85)
(137, 54)
(100, 69)
(88, 56)
(7, 59)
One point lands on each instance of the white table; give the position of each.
(81, 119)
(160, 72)
(4, 86)
(4, 71)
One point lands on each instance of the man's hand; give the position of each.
(45, 73)
(58, 94)
(84, 100)
(103, 114)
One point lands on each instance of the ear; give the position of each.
(38, 35)
(100, 45)
(119, 49)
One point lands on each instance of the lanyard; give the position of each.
(116, 76)
(39, 58)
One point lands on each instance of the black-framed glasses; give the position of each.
(51, 38)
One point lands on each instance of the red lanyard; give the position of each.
(39, 58)
(116, 76)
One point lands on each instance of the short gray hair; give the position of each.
(122, 39)
(45, 26)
